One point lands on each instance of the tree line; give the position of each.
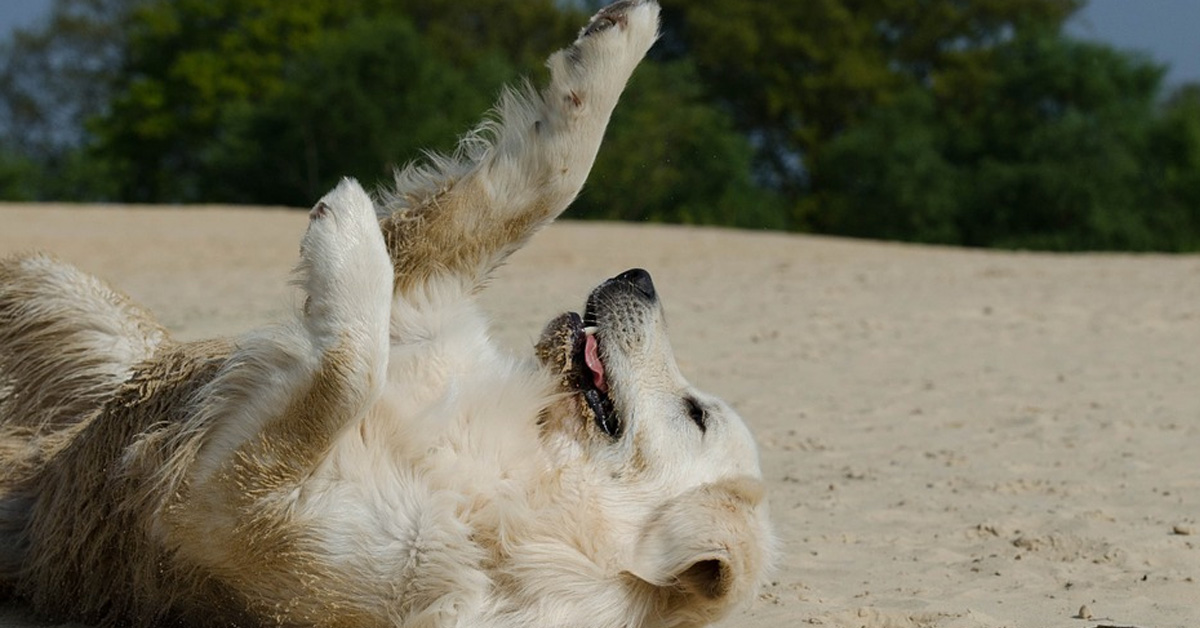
(965, 122)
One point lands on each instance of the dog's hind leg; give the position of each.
(460, 217)
(67, 340)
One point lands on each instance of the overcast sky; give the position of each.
(1167, 30)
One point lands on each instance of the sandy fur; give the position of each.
(378, 460)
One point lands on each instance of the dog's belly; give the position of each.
(395, 544)
(405, 508)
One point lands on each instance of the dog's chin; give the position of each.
(570, 349)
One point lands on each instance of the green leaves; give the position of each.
(1051, 149)
(368, 97)
(188, 65)
(890, 178)
(261, 101)
(972, 122)
(671, 156)
(975, 123)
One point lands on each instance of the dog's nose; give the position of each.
(639, 279)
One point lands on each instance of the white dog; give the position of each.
(378, 461)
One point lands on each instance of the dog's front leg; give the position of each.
(276, 407)
(461, 217)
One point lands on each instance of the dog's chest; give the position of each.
(409, 503)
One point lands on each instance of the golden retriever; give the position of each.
(378, 460)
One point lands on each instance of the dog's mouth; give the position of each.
(571, 347)
(576, 347)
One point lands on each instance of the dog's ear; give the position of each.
(705, 550)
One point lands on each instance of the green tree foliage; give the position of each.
(195, 69)
(187, 63)
(17, 176)
(1063, 125)
(367, 98)
(1173, 170)
(798, 75)
(53, 79)
(974, 123)
(971, 122)
(525, 32)
(671, 156)
(889, 177)
(1050, 150)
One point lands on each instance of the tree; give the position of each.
(671, 156)
(366, 98)
(970, 122)
(53, 79)
(1173, 166)
(79, 48)
(186, 63)
(890, 177)
(1050, 149)
(17, 177)
(797, 75)
(1057, 146)
(524, 32)
(193, 66)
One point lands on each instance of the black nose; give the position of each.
(639, 279)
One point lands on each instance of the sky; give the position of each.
(1167, 30)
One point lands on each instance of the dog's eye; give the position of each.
(697, 413)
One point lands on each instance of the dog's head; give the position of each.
(672, 472)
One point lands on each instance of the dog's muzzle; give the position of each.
(572, 345)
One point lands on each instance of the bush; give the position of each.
(672, 156)
(367, 98)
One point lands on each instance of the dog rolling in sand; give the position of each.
(378, 461)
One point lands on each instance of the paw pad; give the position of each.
(608, 17)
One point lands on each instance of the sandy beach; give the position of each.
(951, 438)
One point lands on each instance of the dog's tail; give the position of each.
(67, 341)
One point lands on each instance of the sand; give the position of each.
(951, 438)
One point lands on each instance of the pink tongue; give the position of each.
(591, 355)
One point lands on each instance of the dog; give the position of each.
(377, 460)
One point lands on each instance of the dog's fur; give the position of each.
(378, 461)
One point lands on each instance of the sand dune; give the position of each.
(951, 438)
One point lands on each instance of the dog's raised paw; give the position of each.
(600, 61)
(342, 225)
(612, 15)
(640, 17)
(349, 206)
(343, 252)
